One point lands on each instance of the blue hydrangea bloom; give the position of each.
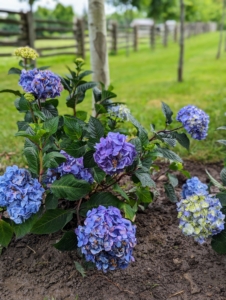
(200, 216)
(113, 153)
(107, 239)
(73, 166)
(121, 111)
(194, 186)
(20, 194)
(42, 84)
(195, 121)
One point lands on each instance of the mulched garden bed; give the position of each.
(168, 265)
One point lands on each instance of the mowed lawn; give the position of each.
(142, 81)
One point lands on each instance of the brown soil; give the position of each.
(168, 265)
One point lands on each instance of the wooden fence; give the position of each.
(29, 31)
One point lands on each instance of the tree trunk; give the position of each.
(181, 55)
(221, 31)
(98, 43)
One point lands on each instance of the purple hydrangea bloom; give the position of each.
(113, 153)
(42, 84)
(194, 186)
(107, 239)
(200, 216)
(20, 194)
(73, 166)
(195, 121)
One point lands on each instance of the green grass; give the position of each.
(142, 81)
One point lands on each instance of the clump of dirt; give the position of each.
(168, 265)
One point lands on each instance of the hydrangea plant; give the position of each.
(82, 161)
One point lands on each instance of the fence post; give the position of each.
(30, 29)
(114, 30)
(80, 38)
(165, 35)
(135, 38)
(27, 27)
(152, 36)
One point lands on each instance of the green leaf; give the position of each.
(170, 142)
(222, 198)
(169, 190)
(51, 125)
(85, 86)
(97, 94)
(76, 149)
(22, 125)
(14, 71)
(223, 176)
(137, 143)
(82, 115)
(88, 159)
(172, 179)
(167, 112)
(176, 166)
(70, 188)
(53, 159)
(166, 153)
(95, 128)
(107, 95)
(52, 221)
(105, 198)
(49, 111)
(51, 202)
(214, 181)
(147, 162)
(84, 74)
(68, 242)
(21, 230)
(144, 195)
(98, 174)
(6, 233)
(182, 139)
(144, 177)
(16, 93)
(80, 269)
(218, 242)
(128, 211)
(142, 133)
(32, 159)
(72, 127)
(100, 109)
(23, 104)
(119, 190)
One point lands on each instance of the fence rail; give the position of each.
(27, 30)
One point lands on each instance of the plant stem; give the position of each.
(40, 165)
(78, 207)
(32, 113)
(164, 131)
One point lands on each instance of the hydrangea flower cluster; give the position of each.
(42, 84)
(20, 194)
(26, 52)
(195, 121)
(120, 111)
(73, 166)
(107, 239)
(200, 216)
(113, 153)
(194, 186)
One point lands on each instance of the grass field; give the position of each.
(142, 81)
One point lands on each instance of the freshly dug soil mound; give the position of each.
(168, 265)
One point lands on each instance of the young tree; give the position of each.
(221, 30)
(181, 55)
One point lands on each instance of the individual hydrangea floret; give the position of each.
(120, 111)
(113, 153)
(107, 239)
(26, 52)
(195, 121)
(200, 216)
(20, 194)
(42, 84)
(73, 166)
(194, 186)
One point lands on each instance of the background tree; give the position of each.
(181, 55)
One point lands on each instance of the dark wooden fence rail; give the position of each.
(29, 30)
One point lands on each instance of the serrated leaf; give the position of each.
(32, 159)
(76, 149)
(95, 128)
(147, 162)
(172, 179)
(80, 269)
(23, 104)
(84, 74)
(105, 198)
(21, 230)
(166, 153)
(70, 188)
(85, 86)
(6, 233)
(182, 139)
(72, 127)
(52, 221)
(119, 190)
(51, 125)
(129, 212)
(98, 174)
(68, 242)
(82, 115)
(223, 176)
(22, 125)
(105, 95)
(169, 190)
(88, 159)
(97, 94)
(218, 242)
(214, 181)
(170, 142)
(144, 177)
(167, 112)
(51, 202)
(137, 143)
(53, 159)
(222, 198)
(144, 195)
